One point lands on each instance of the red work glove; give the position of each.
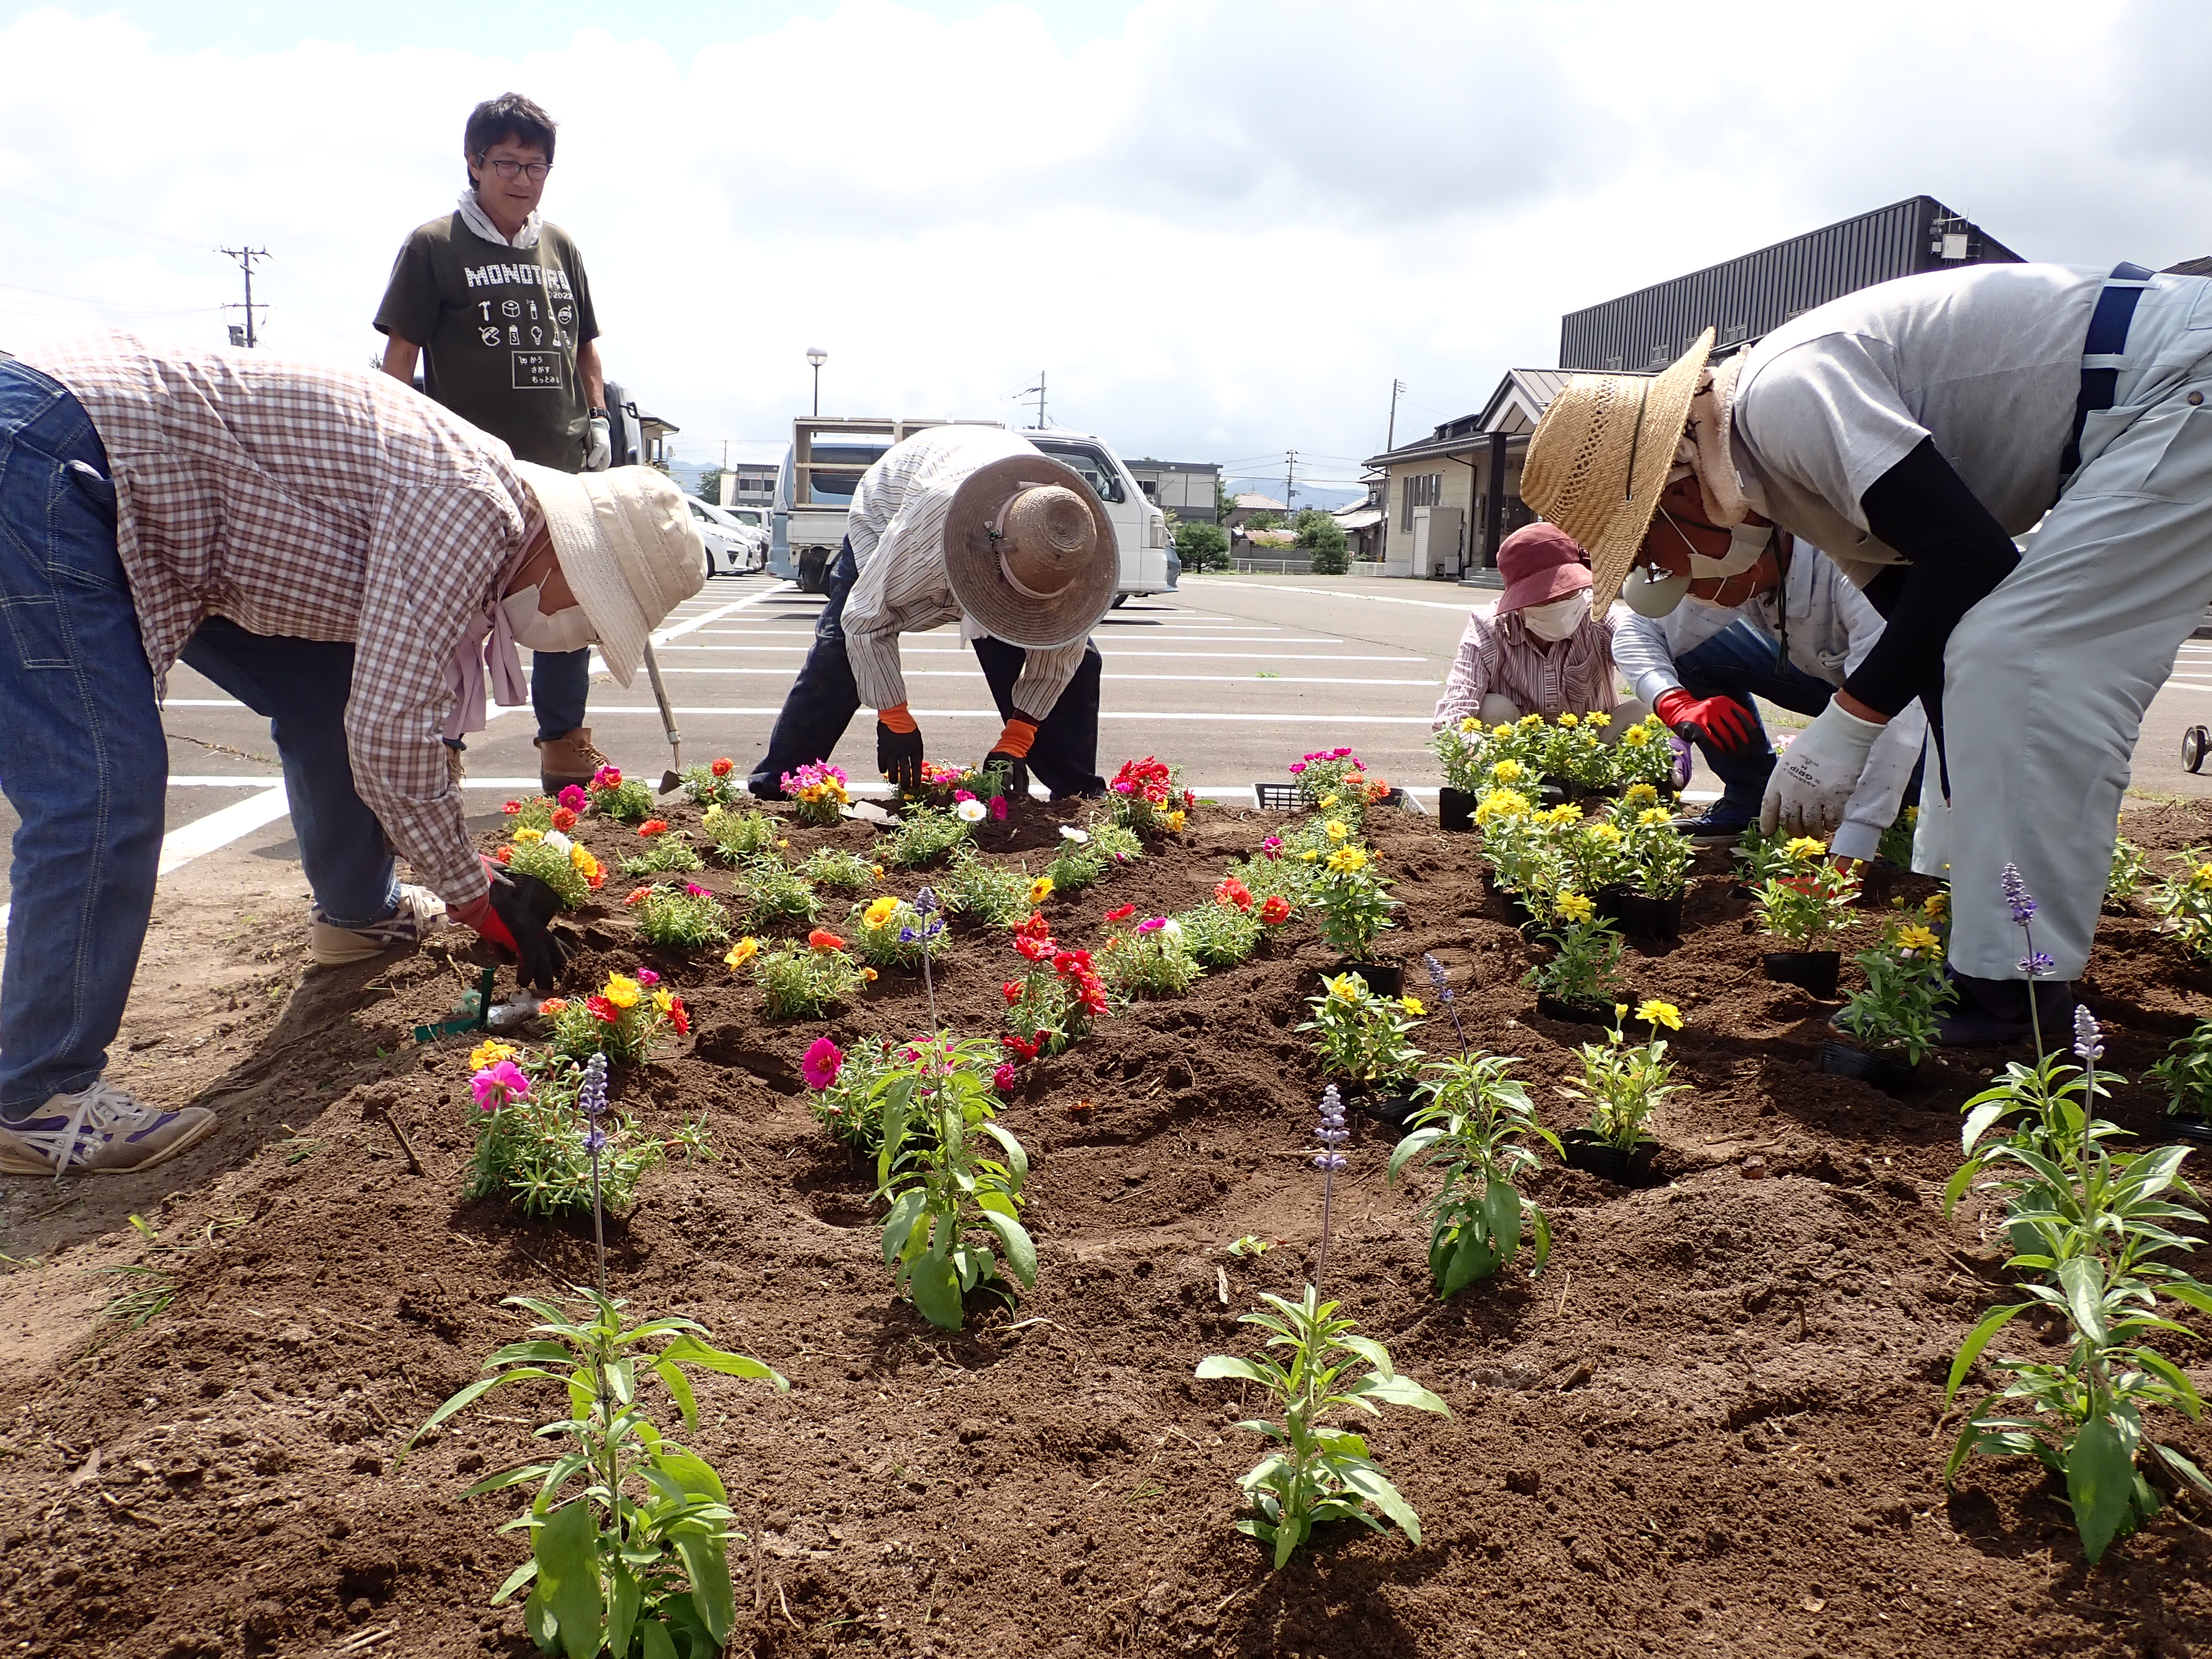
(1721, 721)
(513, 915)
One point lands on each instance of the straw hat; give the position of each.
(628, 546)
(1029, 551)
(1599, 460)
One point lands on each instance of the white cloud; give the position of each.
(1222, 232)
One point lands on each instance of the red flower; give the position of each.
(505, 855)
(1036, 950)
(637, 894)
(678, 1017)
(1121, 915)
(1036, 928)
(1233, 891)
(822, 939)
(510, 807)
(1012, 990)
(563, 819)
(1274, 909)
(1025, 1047)
(1003, 1079)
(602, 1009)
(723, 768)
(653, 827)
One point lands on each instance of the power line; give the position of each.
(246, 256)
(105, 224)
(110, 305)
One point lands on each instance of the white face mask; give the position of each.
(1650, 591)
(1559, 619)
(567, 629)
(1745, 542)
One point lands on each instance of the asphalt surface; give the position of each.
(1230, 678)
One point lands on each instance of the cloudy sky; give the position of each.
(1221, 227)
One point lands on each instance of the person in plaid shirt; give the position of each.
(339, 554)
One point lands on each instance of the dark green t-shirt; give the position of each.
(499, 327)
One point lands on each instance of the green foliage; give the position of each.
(996, 895)
(2186, 1074)
(531, 1152)
(2185, 902)
(739, 836)
(1202, 546)
(806, 984)
(925, 834)
(1808, 897)
(1624, 1083)
(554, 863)
(1896, 844)
(685, 918)
(1585, 964)
(625, 801)
(718, 785)
(629, 1532)
(848, 1109)
(531, 812)
(1264, 519)
(1077, 862)
(1361, 1036)
(1153, 962)
(845, 871)
(879, 932)
(1354, 908)
(622, 1021)
(1317, 1473)
(1322, 536)
(1220, 935)
(667, 853)
(1906, 989)
(1115, 843)
(1470, 1125)
(2130, 871)
(1652, 858)
(936, 1113)
(778, 899)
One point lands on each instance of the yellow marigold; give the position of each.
(1508, 770)
(880, 912)
(662, 1001)
(1176, 820)
(1598, 717)
(1470, 723)
(1938, 905)
(1637, 736)
(1501, 804)
(1532, 719)
(1411, 1005)
(525, 836)
(1565, 812)
(1913, 937)
(620, 990)
(1654, 814)
(1804, 846)
(1604, 833)
(1652, 1011)
(490, 1052)
(1335, 830)
(1574, 907)
(1502, 729)
(742, 952)
(1637, 792)
(1346, 860)
(1040, 889)
(1568, 722)
(1343, 990)
(581, 861)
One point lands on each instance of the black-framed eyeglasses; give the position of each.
(510, 170)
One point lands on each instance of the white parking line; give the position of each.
(1148, 679)
(1378, 598)
(1105, 651)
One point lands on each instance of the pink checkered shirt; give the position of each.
(323, 503)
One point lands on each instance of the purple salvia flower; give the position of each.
(592, 1097)
(925, 902)
(1439, 980)
(907, 936)
(2087, 1038)
(2036, 963)
(1331, 1133)
(2017, 895)
(595, 1139)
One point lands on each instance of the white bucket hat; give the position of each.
(628, 547)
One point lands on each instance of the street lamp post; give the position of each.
(818, 357)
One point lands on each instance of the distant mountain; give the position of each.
(1273, 489)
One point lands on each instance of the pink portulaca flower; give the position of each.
(822, 1061)
(498, 1084)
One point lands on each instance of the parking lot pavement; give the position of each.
(1230, 677)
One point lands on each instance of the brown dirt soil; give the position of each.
(1713, 1425)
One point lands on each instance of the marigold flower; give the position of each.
(1411, 1005)
(1568, 722)
(1040, 889)
(880, 912)
(723, 767)
(1574, 907)
(1508, 770)
(620, 990)
(1804, 846)
(1652, 1011)
(1597, 717)
(821, 938)
(1274, 909)
(1176, 820)
(651, 827)
(1636, 737)
(1343, 990)
(1913, 937)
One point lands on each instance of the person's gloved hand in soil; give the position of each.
(898, 747)
(1011, 754)
(513, 914)
(1724, 722)
(1812, 784)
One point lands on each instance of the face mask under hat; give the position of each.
(1558, 620)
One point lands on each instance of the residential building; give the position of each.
(1240, 513)
(1188, 489)
(1448, 500)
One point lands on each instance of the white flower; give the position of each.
(1069, 832)
(559, 843)
(970, 812)
(1171, 930)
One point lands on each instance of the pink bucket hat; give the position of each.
(1541, 562)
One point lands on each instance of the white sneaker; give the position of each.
(420, 913)
(101, 1131)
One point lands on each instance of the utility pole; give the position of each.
(1390, 442)
(246, 256)
(1290, 476)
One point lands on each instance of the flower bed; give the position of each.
(1712, 1418)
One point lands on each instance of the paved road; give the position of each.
(1230, 678)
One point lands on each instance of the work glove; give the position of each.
(898, 747)
(513, 915)
(598, 448)
(1721, 721)
(1814, 779)
(1011, 754)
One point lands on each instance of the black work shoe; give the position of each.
(1719, 825)
(1991, 1013)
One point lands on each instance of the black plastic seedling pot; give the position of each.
(1813, 970)
(1381, 1102)
(1385, 979)
(1641, 914)
(1628, 1168)
(1886, 1072)
(1455, 808)
(1576, 1013)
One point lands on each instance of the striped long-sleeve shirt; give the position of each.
(1570, 677)
(897, 532)
(323, 503)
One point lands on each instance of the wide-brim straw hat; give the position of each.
(1029, 551)
(1599, 460)
(629, 548)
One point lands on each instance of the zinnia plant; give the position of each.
(1624, 1083)
(1585, 965)
(1350, 895)
(1362, 1037)
(1808, 897)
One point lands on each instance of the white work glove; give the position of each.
(1814, 779)
(600, 448)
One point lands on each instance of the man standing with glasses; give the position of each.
(494, 302)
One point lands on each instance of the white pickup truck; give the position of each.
(814, 494)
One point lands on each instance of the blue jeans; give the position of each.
(301, 686)
(560, 683)
(82, 757)
(1739, 662)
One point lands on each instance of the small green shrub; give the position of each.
(778, 899)
(844, 872)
